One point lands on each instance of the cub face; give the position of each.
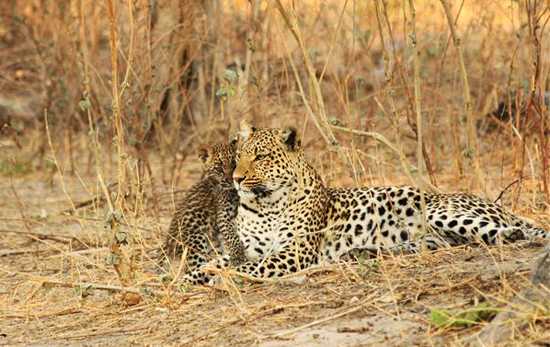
(219, 158)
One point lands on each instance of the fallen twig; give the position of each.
(95, 200)
(356, 308)
(62, 312)
(35, 235)
(10, 252)
(506, 188)
(91, 285)
(266, 312)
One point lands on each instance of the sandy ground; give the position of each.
(47, 255)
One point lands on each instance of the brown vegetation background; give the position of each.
(127, 80)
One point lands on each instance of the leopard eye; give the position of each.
(261, 156)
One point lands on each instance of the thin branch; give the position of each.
(380, 138)
(323, 126)
(506, 188)
(470, 124)
(117, 116)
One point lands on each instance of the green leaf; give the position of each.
(226, 91)
(112, 259)
(166, 278)
(468, 153)
(335, 121)
(121, 237)
(144, 291)
(184, 287)
(230, 75)
(475, 315)
(432, 51)
(439, 318)
(84, 104)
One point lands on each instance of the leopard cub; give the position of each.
(207, 211)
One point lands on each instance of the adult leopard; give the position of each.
(288, 220)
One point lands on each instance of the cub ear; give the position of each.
(290, 138)
(233, 140)
(246, 129)
(203, 153)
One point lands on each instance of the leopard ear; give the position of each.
(246, 129)
(203, 153)
(290, 138)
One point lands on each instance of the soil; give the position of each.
(47, 254)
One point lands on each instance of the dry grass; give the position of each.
(103, 103)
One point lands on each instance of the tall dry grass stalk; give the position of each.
(117, 116)
(417, 104)
(417, 88)
(472, 151)
(319, 115)
(538, 17)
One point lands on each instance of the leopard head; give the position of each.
(266, 160)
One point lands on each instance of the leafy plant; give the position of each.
(480, 313)
(14, 168)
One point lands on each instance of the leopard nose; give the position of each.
(238, 178)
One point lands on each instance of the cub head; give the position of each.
(219, 159)
(265, 160)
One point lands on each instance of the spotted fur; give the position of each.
(207, 211)
(288, 220)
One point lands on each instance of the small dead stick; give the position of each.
(91, 285)
(506, 188)
(37, 235)
(111, 288)
(63, 312)
(41, 236)
(10, 252)
(530, 299)
(357, 307)
(241, 320)
(96, 199)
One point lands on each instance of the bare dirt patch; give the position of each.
(55, 288)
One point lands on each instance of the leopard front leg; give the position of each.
(201, 277)
(232, 242)
(294, 257)
(225, 220)
(287, 261)
(237, 254)
(276, 265)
